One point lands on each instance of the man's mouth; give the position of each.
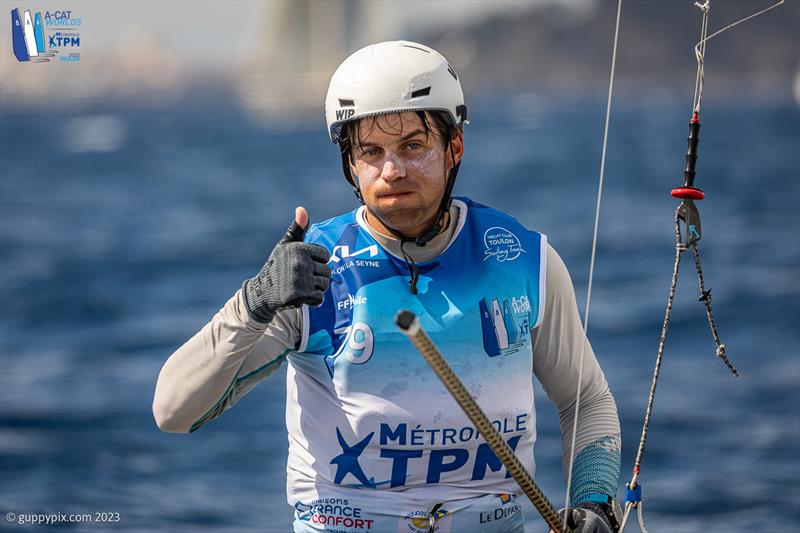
(395, 194)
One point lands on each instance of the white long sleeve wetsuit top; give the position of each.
(347, 437)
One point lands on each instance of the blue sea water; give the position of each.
(122, 231)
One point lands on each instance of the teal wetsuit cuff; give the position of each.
(596, 470)
(595, 497)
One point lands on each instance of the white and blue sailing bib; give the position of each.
(366, 415)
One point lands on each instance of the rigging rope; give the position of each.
(592, 259)
(688, 214)
(699, 53)
(700, 47)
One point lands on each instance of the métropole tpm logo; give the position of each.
(347, 461)
(35, 38)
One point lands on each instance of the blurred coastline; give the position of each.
(277, 59)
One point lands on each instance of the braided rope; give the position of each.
(500, 447)
(660, 356)
(705, 297)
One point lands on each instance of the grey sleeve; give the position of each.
(211, 371)
(559, 342)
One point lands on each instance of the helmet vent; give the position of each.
(452, 72)
(346, 103)
(417, 48)
(461, 110)
(421, 92)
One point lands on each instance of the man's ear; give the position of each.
(352, 167)
(457, 145)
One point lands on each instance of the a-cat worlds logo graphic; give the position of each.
(37, 38)
(505, 325)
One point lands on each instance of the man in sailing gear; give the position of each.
(388, 78)
(375, 441)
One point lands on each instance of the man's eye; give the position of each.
(370, 152)
(413, 145)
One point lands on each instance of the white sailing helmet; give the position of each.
(393, 77)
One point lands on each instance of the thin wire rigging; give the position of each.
(592, 259)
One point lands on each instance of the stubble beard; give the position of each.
(405, 219)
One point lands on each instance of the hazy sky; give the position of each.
(215, 30)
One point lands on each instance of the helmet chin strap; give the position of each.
(429, 233)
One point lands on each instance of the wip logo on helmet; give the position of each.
(344, 114)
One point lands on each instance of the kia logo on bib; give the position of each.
(343, 252)
(501, 244)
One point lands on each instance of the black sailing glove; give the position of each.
(589, 517)
(296, 273)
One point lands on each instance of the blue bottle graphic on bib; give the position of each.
(508, 320)
(38, 32)
(18, 37)
(490, 343)
(499, 326)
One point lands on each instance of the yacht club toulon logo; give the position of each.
(38, 38)
(501, 244)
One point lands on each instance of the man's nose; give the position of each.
(393, 168)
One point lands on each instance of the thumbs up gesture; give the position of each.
(296, 273)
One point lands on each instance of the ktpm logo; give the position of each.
(29, 42)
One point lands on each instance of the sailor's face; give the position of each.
(401, 170)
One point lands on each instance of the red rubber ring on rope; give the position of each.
(688, 192)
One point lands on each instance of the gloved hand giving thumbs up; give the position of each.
(296, 273)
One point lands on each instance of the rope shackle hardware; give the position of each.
(688, 232)
(633, 495)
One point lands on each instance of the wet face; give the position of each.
(402, 170)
